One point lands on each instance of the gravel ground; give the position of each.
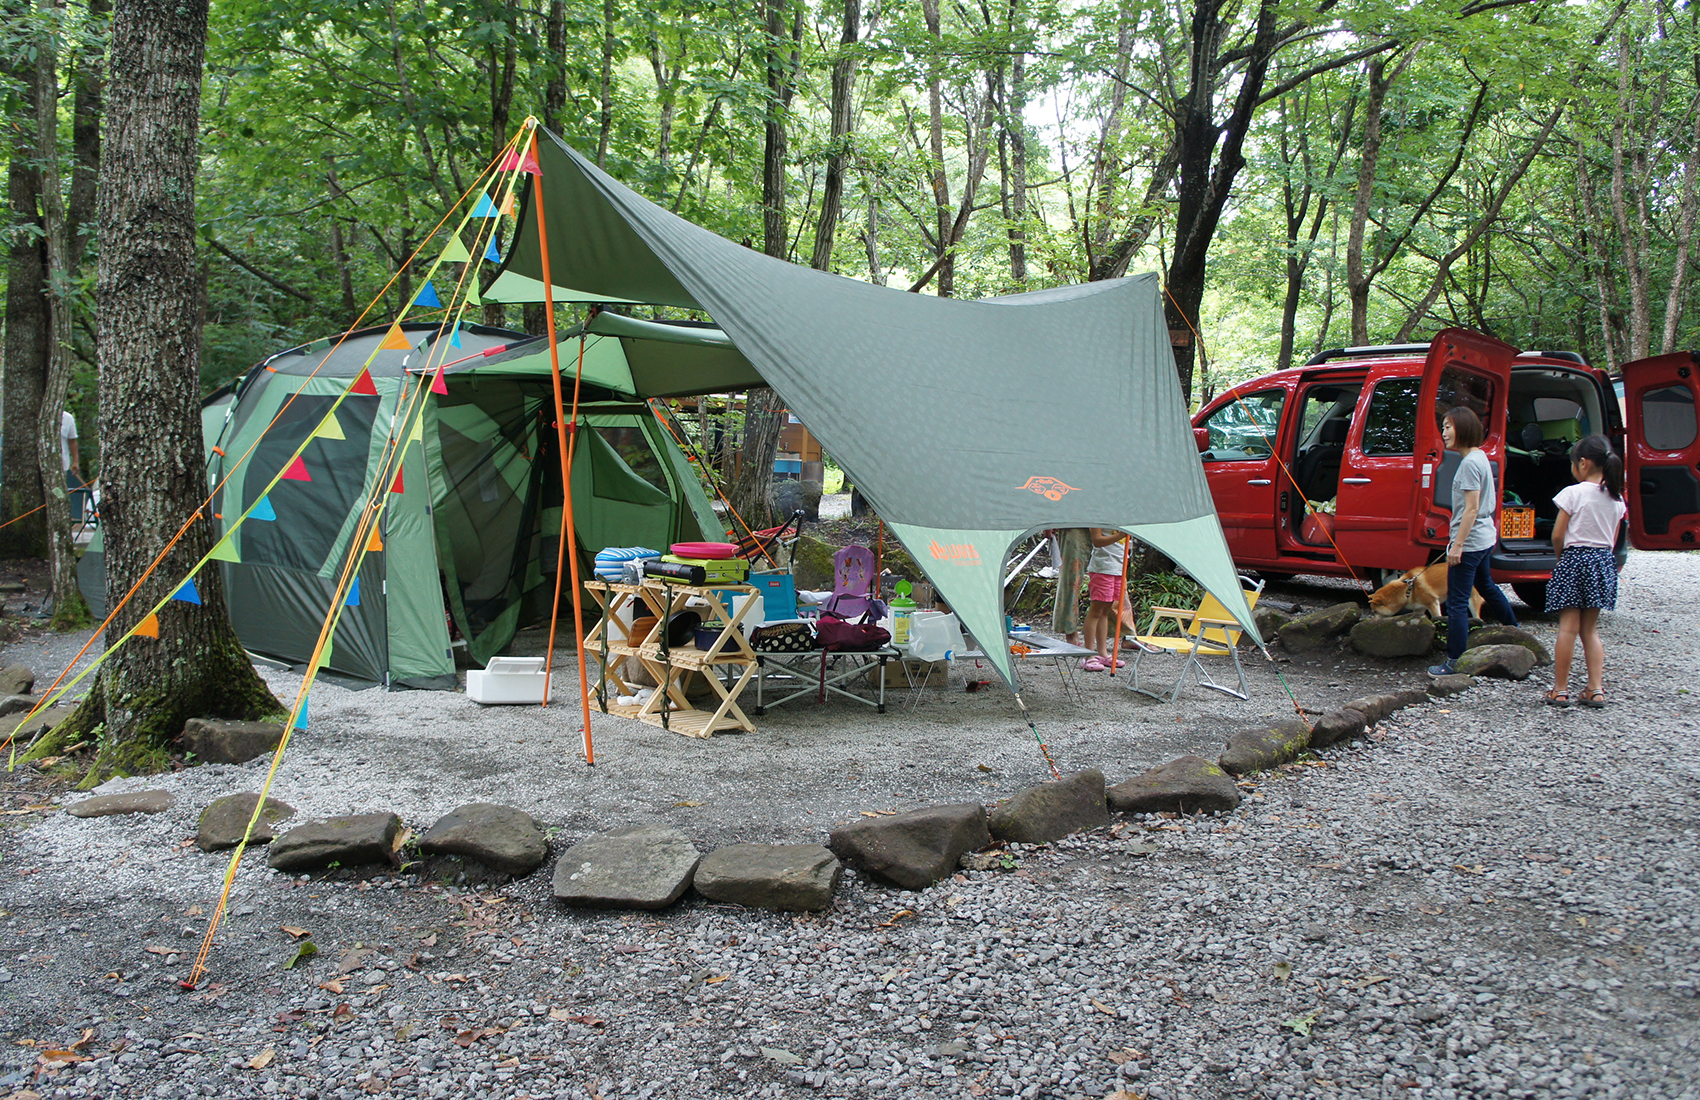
(1485, 898)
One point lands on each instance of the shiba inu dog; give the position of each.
(1421, 587)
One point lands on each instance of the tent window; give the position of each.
(633, 448)
(310, 514)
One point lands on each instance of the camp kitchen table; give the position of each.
(1063, 654)
(805, 667)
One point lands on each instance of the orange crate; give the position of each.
(1516, 523)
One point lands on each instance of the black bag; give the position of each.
(783, 638)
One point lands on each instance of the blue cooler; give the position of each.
(778, 595)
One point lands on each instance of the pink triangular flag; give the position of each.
(438, 385)
(297, 471)
(363, 385)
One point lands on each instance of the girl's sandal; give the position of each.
(1556, 698)
(1592, 697)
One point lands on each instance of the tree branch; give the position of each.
(256, 272)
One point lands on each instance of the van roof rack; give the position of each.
(1368, 351)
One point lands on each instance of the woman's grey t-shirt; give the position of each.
(1475, 473)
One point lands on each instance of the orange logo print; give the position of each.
(962, 552)
(1048, 487)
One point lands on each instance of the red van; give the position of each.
(1337, 467)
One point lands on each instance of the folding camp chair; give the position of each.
(1207, 632)
(769, 541)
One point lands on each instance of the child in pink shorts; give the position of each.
(1104, 581)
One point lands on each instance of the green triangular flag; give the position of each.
(225, 551)
(473, 297)
(456, 252)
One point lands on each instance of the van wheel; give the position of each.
(1532, 593)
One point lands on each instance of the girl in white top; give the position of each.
(1584, 580)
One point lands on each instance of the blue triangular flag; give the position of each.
(454, 337)
(263, 510)
(428, 297)
(353, 594)
(187, 593)
(491, 254)
(485, 208)
(301, 719)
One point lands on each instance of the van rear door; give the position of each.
(1662, 451)
(1463, 368)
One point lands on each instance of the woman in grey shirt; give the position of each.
(1475, 531)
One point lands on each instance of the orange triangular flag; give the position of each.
(395, 339)
(374, 543)
(297, 471)
(148, 627)
(363, 385)
(396, 488)
(508, 203)
(438, 385)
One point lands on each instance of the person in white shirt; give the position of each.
(1584, 581)
(71, 461)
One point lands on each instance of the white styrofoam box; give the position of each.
(507, 680)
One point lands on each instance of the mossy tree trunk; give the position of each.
(26, 321)
(153, 471)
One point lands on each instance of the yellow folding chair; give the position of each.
(1209, 631)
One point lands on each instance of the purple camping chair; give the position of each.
(852, 582)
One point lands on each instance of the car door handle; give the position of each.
(1260, 481)
(1354, 481)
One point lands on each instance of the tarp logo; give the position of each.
(1049, 487)
(962, 552)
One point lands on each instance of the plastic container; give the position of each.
(507, 680)
(902, 614)
(707, 633)
(935, 636)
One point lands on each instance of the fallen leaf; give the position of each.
(511, 1063)
(429, 941)
(1476, 870)
(783, 1057)
(472, 1035)
(869, 813)
(192, 911)
(1583, 921)
(342, 1010)
(1123, 1094)
(688, 805)
(152, 950)
(331, 986)
(88, 1037)
(353, 958)
(262, 1059)
(717, 981)
(1431, 910)
(1102, 1007)
(1373, 979)
(401, 838)
(306, 949)
(1282, 970)
(25, 1094)
(296, 932)
(1301, 1025)
(53, 1059)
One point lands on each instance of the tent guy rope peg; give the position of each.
(1042, 746)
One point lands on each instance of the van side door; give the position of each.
(1463, 368)
(1239, 464)
(1662, 451)
(1372, 523)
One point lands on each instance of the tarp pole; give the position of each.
(1116, 645)
(569, 533)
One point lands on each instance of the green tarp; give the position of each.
(967, 423)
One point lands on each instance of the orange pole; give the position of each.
(565, 440)
(1116, 646)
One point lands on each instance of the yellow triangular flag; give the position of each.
(395, 339)
(417, 432)
(375, 542)
(148, 627)
(329, 428)
(325, 655)
(225, 551)
(473, 297)
(456, 252)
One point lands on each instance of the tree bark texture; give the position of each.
(153, 475)
(843, 78)
(26, 335)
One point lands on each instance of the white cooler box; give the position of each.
(507, 680)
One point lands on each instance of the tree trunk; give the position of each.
(69, 610)
(555, 43)
(944, 215)
(606, 126)
(152, 475)
(26, 334)
(843, 77)
(1015, 134)
(1369, 162)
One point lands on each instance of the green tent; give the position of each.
(473, 531)
(969, 425)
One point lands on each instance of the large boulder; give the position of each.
(788, 496)
(16, 680)
(135, 802)
(347, 841)
(788, 877)
(1498, 634)
(1258, 748)
(16, 704)
(216, 741)
(914, 849)
(502, 838)
(226, 819)
(634, 867)
(1442, 686)
(1188, 785)
(43, 721)
(1318, 628)
(812, 564)
(1339, 725)
(1506, 662)
(1270, 620)
(1051, 811)
(1405, 636)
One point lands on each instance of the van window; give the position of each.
(1667, 418)
(1390, 422)
(1245, 429)
(1466, 388)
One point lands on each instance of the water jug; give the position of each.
(902, 614)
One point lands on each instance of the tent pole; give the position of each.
(1116, 646)
(565, 440)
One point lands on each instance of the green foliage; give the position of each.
(1150, 590)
